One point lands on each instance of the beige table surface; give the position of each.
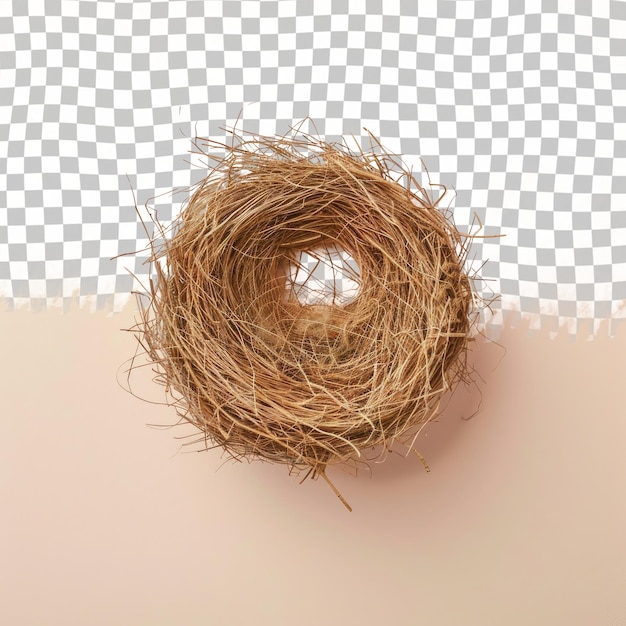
(105, 521)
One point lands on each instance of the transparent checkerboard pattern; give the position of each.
(324, 276)
(518, 108)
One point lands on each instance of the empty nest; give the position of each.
(264, 375)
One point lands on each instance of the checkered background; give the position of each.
(324, 276)
(517, 107)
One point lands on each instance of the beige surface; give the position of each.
(522, 519)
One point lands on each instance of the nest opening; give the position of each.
(327, 275)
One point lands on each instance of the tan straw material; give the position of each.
(265, 376)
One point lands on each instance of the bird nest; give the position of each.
(267, 366)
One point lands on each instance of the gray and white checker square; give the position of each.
(324, 276)
(518, 108)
